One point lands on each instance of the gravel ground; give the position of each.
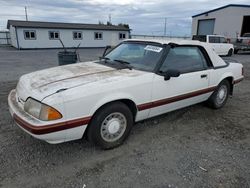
(191, 147)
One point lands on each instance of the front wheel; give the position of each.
(110, 125)
(235, 51)
(219, 98)
(230, 52)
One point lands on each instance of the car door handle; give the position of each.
(204, 76)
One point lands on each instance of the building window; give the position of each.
(30, 35)
(98, 36)
(53, 35)
(122, 36)
(77, 35)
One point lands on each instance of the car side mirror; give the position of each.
(105, 50)
(171, 73)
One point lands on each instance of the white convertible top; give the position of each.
(216, 60)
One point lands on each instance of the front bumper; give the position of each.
(56, 132)
(242, 47)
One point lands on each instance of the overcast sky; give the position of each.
(143, 16)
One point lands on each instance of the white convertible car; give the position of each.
(136, 80)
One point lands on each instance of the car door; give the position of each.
(189, 88)
(215, 42)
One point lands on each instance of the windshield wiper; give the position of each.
(104, 58)
(125, 63)
(122, 61)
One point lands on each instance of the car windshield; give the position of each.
(142, 56)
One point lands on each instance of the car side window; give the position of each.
(223, 40)
(214, 39)
(184, 59)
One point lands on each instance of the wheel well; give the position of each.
(230, 80)
(130, 104)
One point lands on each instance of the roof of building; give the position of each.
(60, 25)
(226, 6)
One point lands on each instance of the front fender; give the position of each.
(110, 98)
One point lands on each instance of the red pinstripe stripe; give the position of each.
(38, 130)
(237, 81)
(174, 99)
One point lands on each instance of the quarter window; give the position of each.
(30, 35)
(184, 59)
(223, 40)
(54, 35)
(122, 36)
(214, 39)
(77, 35)
(98, 36)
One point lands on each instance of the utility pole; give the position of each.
(26, 15)
(109, 18)
(165, 26)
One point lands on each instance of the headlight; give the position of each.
(41, 111)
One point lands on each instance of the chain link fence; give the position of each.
(4, 38)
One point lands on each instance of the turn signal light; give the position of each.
(48, 113)
(53, 114)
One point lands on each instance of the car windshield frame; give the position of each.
(110, 62)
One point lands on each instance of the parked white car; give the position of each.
(219, 44)
(242, 43)
(137, 80)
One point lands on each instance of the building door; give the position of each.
(206, 27)
(245, 25)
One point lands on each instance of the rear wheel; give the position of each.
(219, 98)
(111, 125)
(230, 52)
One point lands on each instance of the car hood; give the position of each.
(41, 84)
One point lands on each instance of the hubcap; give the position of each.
(222, 94)
(113, 127)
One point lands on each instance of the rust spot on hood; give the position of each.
(72, 77)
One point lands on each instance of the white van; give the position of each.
(218, 42)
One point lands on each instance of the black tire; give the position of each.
(214, 100)
(97, 126)
(230, 52)
(235, 51)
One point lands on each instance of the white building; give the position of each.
(231, 21)
(33, 34)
